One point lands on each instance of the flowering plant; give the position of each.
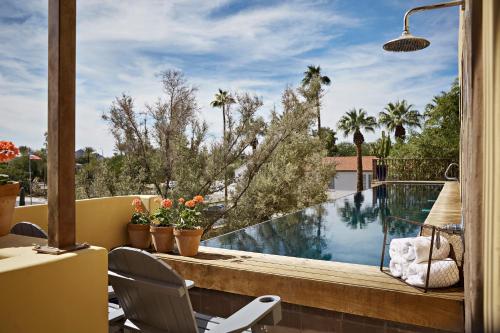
(8, 151)
(190, 213)
(164, 216)
(140, 215)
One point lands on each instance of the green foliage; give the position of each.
(312, 73)
(354, 122)
(189, 218)
(18, 168)
(4, 179)
(165, 216)
(382, 147)
(329, 138)
(171, 156)
(349, 149)
(140, 218)
(398, 116)
(312, 89)
(440, 136)
(292, 176)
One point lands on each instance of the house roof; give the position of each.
(348, 163)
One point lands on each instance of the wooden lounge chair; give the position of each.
(28, 229)
(154, 298)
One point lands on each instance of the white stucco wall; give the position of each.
(346, 180)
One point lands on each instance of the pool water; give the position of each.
(349, 229)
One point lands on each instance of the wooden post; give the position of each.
(471, 150)
(61, 123)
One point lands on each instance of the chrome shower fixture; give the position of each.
(407, 42)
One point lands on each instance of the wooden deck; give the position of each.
(447, 208)
(349, 288)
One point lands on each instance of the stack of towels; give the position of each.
(409, 261)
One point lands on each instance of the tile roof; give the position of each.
(348, 163)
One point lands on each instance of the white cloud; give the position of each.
(122, 45)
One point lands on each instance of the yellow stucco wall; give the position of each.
(101, 222)
(62, 293)
(51, 293)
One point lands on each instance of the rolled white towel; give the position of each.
(399, 246)
(422, 245)
(443, 273)
(410, 255)
(399, 268)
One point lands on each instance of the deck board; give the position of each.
(350, 288)
(447, 209)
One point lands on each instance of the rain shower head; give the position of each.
(407, 42)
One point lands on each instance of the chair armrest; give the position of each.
(115, 313)
(111, 292)
(264, 310)
(189, 284)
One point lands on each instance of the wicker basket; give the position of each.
(452, 232)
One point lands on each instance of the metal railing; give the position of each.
(413, 169)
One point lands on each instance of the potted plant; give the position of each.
(138, 228)
(8, 188)
(162, 227)
(188, 231)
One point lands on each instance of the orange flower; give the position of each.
(190, 203)
(198, 199)
(8, 151)
(181, 200)
(137, 203)
(166, 203)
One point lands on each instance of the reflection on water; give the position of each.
(349, 229)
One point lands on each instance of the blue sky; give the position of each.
(255, 46)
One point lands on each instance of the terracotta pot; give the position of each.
(8, 194)
(188, 241)
(139, 235)
(163, 238)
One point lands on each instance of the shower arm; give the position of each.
(429, 7)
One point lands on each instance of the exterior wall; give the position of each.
(480, 162)
(101, 222)
(297, 318)
(346, 180)
(491, 182)
(52, 293)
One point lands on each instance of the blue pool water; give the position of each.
(349, 229)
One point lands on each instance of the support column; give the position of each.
(61, 123)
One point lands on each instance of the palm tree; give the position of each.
(353, 122)
(89, 152)
(222, 100)
(399, 115)
(313, 74)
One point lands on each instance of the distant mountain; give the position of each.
(80, 153)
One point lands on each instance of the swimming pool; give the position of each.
(349, 229)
